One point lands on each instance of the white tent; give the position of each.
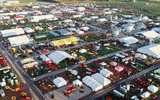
(152, 88)
(119, 55)
(67, 20)
(129, 27)
(103, 64)
(65, 32)
(145, 18)
(157, 71)
(106, 9)
(71, 24)
(115, 22)
(102, 20)
(58, 56)
(134, 97)
(101, 79)
(81, 8)
(157, 76)
(105, 72)
(129, 21)
(3, 84)
(114, 9)
(127, 16)
(151, 50)
(19, 40)
(42, 17)
(149, 34)
(55, 12)
(94, 17)
(71, 29)
(128, 40)
(77, 16)
(156, 29)
(142, 56)
(82, 50)
(28, 30)
(145, 94)
(77, 83)
(59, 82)
(12, 32)
(84, 28)
(119, 68)
(91, 82)
(107, 12)
(74, 72)
(88, 19)
(79, 32)
(44, 58)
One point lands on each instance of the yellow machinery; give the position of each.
(24, 94)
(13, 98)
(8, 87)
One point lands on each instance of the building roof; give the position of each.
(58, 56)
(149, 34)
(91, 82)
(105, 72)
(59, 82)
(12, 32)
(44, 57)
(128, 40)
(151, 50)
(101, 79)
(152, 88)
(28, 30)
(145, 94)
(19, 40)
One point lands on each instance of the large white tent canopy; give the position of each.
(149, 34)
(77, 83)
(94, 17)
(59, 82)
(101, 79)
(12, 32)
(145, 94)
(128, 40)
(157, 29)
(79, 32)
(91, 82)
(151, 50)
(58, 56)
(28, 30)
(152, 88)
(44, 57)
(142, 56)
(85, 28)
(102, 20)
(105, 72)
(42, 17)
(19, 40)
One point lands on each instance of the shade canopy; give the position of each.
(58, 56)
(59, 82)
(113, 63)
(101, 79)
(151, 50)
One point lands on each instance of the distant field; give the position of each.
(28, 1)
(79, 1)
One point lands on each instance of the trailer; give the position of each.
(119, 94)
(123, 89)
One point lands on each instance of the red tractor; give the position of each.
(108, 98)
(2, 61)
(69, 90)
